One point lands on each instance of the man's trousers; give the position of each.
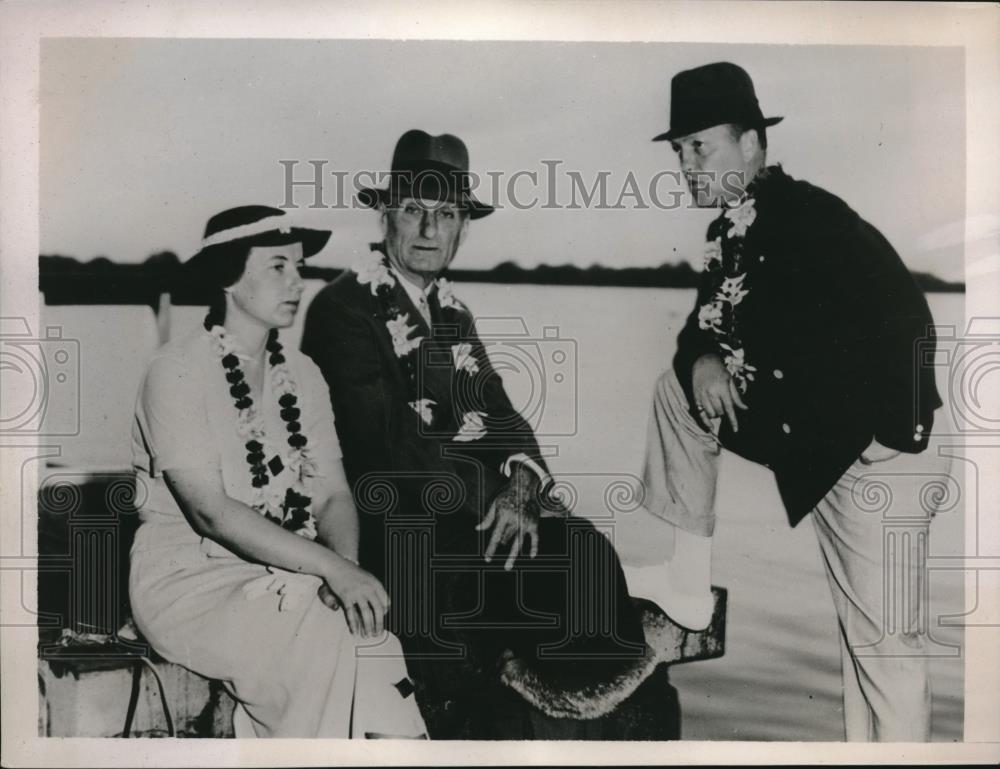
(872, 528)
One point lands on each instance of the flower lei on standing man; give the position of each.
(726, 272)
(372, 270)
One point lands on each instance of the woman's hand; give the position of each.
(327, 597)
(359, 593)
(715, 391)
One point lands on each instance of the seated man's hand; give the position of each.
(514, 515)
(715, 391)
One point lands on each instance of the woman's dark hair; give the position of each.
(223, 270)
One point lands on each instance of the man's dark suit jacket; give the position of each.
(841, 337)
(398, 466)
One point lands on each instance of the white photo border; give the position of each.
(24, 24)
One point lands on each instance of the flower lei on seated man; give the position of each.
(373, 271)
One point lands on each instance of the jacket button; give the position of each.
(920, 428)
(779, 374)
(761, 258)
(786, 428)
(917, 437)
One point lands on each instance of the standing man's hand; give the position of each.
(715, 391)
(514, 515)
(876, 452)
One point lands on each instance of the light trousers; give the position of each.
(872, 528)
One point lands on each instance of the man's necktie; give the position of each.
(434, 306)
(424, 308)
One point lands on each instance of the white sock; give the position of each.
(691, 564)
(681, 584)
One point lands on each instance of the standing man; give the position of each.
(449, 481)
(801, 354)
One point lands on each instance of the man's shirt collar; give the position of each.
(419, 296)
(412, 289)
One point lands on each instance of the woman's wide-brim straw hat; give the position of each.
(248, 226)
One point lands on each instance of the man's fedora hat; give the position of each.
(428, 167)
(712, 95)
(248, 226)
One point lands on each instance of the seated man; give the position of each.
(449, 481)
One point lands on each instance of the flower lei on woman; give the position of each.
(372, 270)
(291, 511)
(727, 273)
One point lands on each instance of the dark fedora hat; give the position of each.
(428, 167)
(247, 226)
(712, 95)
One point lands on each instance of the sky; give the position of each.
(142, 139)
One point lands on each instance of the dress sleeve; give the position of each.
(173, 418)
(341, 345)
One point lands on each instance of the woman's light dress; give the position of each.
(289, 660)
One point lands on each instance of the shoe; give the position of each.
(692, 611)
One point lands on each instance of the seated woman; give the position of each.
(244, 567)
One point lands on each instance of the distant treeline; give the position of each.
(65, 280)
